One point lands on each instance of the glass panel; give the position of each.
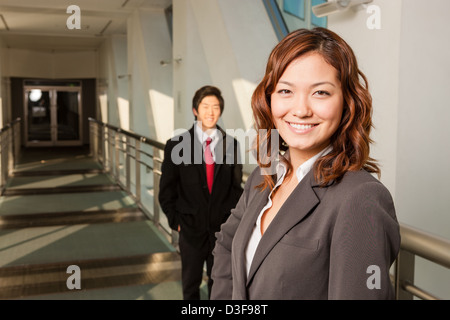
(289, 15)
(315, 21)
(295, 7)
(67, 115)
(293, 14)
(279, 26)
(39, 117)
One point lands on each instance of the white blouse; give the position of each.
(202, 136)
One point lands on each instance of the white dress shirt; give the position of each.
(301, 172)
(202, 136)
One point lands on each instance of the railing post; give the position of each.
(17, 141)
(127, 164)
(10, 151)
(156, 178)
(117, 155)
(110, 150)
(101, 140)
(404, 273)
(137, 169)
(4, 165)
(1, 161)
(94, 140)
(105, 148)
(91, 139)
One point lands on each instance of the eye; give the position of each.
(284, 91)
(321, 93)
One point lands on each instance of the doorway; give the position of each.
(52, 114)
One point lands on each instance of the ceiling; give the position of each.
(42, 24)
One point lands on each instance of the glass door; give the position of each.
(38, 116)
(53, 116)
(67, 116)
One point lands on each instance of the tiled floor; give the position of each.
(61, 210)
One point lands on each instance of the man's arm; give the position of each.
(168, 187)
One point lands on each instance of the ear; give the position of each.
(195, 112)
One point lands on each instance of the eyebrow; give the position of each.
(312, 86)
(321, 83)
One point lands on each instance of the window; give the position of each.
(290, 15)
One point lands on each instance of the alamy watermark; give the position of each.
(268, 157)
(374, 20)
(74, 21)
(73, 281)
(374, 280)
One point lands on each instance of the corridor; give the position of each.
(90, 92)
(61, 209)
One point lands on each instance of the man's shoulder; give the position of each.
(181, 135)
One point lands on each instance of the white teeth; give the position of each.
(301, 126)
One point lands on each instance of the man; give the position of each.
(200, 184)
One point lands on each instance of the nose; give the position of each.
(301, 107)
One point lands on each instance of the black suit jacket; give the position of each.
(183, 190)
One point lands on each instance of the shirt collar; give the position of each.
(303, 169)
(202, 135)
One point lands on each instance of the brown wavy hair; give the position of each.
(351, 140)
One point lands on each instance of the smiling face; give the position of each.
(208, 112)
(307, 105)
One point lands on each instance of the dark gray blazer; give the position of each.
(333, 242)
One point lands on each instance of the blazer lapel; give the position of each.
(245, 229)
(302, 200)
(224, 151)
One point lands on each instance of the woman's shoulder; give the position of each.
(360, 176)
(356, 183)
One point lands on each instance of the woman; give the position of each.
(323, 227)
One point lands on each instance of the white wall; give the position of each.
(251, 39)
(423, 154)
(423, 169)
(377, 52)
(41, 64)
(224, 43)
(406, 62)
(135, 90)
(151, 95)
(192, 73)
(57, 65)
(112, 91)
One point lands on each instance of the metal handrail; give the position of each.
(117, 149)
(149, 141)
(9, 150)
(414, 242)
(425, 245)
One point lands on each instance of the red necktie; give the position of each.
(209, 165)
